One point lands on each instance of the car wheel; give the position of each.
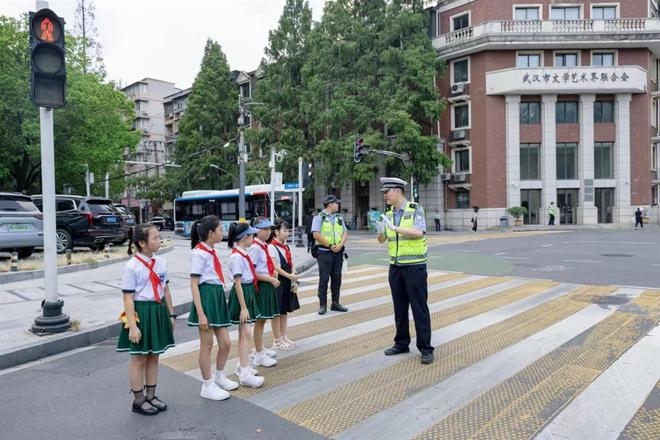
(120, 243)
(63, 240)
(25, 252)
(159, 227)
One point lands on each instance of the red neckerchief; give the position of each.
(254, 273)
(153, 276)
(269, 261)
(287, 251)
(216, 261)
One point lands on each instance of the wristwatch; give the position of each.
(173, 315)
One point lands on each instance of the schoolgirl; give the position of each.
(209, 310)
(148, 317)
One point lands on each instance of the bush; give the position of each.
(517, 211)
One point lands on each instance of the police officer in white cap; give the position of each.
(403, 226)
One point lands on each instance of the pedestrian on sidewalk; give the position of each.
(309, 218)
(269, 309)
(286, 298)
(243, 306)
(474, 219)
(148, 317)
(209, 312)
(552, 213)
(403, 226)
(437, 217)
(639, 218)
(330, 233)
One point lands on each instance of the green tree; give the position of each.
(209, 123)
(279, 92)
(87, 50)
(370, 71)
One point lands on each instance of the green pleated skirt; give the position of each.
(250, 297)
(267, 299)
(155, 326)
(214, 304)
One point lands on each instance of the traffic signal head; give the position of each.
(358, 151)
(47, 62)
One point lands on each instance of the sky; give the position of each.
(164, 39)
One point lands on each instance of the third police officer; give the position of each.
(403, 226)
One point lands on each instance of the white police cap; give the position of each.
(392, 182)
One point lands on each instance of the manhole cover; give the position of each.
(616, 255)
(609, 300)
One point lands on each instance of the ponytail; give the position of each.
(130, 241)
(236, 229)
(200, 229)
(194, 234)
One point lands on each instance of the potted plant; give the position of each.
(517, 212)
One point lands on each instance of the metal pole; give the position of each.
(299, 240)
(107, 185)
(51, 320)
(86, 177)
(412, 187)
(272, 184)
(241, 163)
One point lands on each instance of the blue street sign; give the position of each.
(291, 185)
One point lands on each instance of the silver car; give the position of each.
(21, 224)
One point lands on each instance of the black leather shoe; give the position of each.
(145, 408)
(427, 358)
(396, 350)
(322, 310)
(336, 307)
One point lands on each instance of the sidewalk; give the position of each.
(92, 298)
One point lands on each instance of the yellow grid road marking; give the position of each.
(645, 424)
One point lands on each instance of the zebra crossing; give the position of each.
(515, 359)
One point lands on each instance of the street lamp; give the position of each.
(223, 170)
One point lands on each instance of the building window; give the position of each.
(245, 90)
(603, 160)
(654, 155)
(527, 13)
(566, 161)
(564, 13)
(603, 12)
(462, 199)
(530, 112)
(603, 59)
(461, 71)
(462, 161)
(529, 60)
(567, 112)
(604, 111)
(530, 167)
(461, 116)
(461, 21)
(566, 59)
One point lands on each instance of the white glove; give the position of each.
(380, 227)
(388, 222)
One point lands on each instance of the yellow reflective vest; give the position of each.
(404, 250)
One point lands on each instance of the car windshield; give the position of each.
(100, 207)
(121, 210)
(16, 204)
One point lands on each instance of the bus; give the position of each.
(193, 205)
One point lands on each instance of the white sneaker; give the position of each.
(237, 371)
(261, 359)
(289, 341)
(249, 379)
(213, 392)
(269, 353)
(224, 382)
(282, 344)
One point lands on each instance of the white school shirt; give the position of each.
(239, 267)
(201, 265)
(135, 279)
(274, 255)
(259, 258)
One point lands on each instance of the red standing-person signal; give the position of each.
(47, 30)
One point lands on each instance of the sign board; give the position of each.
(291, 185)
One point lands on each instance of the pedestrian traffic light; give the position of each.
(358, 151)
(47, 64)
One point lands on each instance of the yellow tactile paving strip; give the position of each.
(521, 406)
(645, 425)
(189, 361)
(338, 410)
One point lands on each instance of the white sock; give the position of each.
(219, 374)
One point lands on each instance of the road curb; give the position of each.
(56, 344)
(26, 275)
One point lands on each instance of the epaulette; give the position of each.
(414, 205)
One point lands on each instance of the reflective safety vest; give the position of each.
(405, 250)
(332, 232)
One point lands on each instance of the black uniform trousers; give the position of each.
(409, 288)
(329, 270)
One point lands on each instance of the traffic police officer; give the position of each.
(330, 233)
(403, 226)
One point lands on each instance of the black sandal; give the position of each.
(140, 408)
(157, 403)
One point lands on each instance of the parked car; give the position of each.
(128, 220)
(85, 221)
(162, 223)
(21, 224)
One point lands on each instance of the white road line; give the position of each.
(616, 242)
(501, 253)
(583, 261)
(547, 245)
(515, 258)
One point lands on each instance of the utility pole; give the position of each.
(272, 184)
(242, 158)
(299, 239)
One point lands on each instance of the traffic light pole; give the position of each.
(241, 173)
(51, 320)
(403, 157)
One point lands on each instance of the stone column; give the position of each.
(548, 157)
(587, 214)
(622, 212)
(513, 151)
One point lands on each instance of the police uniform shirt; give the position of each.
(318, 222)
(239, 266)
(274, 255)
(202, 267)
(259, 257)
(136, 280)
(419, 220)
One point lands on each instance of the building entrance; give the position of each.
(567, 200)
(605, 204)
(531, 199)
